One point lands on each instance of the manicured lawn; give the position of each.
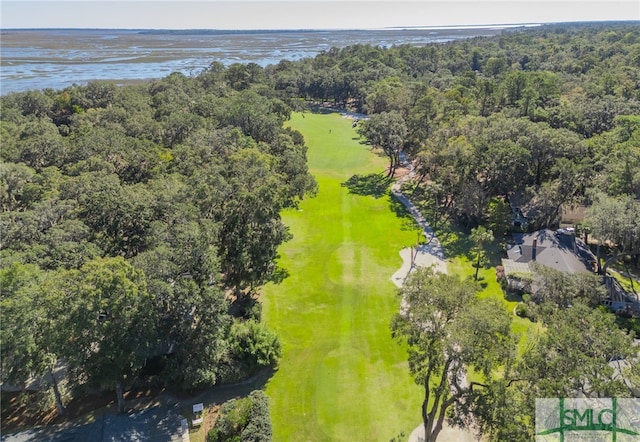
(342, 377)
(457, 247)
(490, 288)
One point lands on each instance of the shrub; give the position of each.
(258, 428)
(631, 325)
(245, 419)
(522, 310)
(233, 416)
(253, 345)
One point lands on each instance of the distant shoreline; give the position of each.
(204, 31)
(55, 58)
(262, 31)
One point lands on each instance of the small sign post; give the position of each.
(197, 414)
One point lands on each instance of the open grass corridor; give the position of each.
(342, 377)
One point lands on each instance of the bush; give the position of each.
(233, 416)
(522, 310)
(258, 427)
(520, 282)
(631, 325)
(253, 345)
(246, 420)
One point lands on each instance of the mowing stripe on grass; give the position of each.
(342, 377)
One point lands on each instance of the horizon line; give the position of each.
(409, 27)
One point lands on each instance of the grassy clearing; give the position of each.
(342, 377)
(457, 247)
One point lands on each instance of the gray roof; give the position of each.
(559, 250)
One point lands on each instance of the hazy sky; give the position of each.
(304, 14)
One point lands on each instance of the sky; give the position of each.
(304, 14)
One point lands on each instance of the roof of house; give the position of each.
(560, 250)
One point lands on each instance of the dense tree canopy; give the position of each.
(154, 207)
(133, 216)
(540, 115)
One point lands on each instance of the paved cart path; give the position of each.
(429, 254)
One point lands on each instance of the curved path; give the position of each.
(425, 255)
(430, 253)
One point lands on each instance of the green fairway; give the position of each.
(342, 377)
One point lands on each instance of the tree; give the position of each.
(195, 322)
(480, 237)
(259, 117)
(119, 216)
(253, 345)
(572, 356)
(251, 227)
(41, 144)
(499, 217)
(618, 157)
(31, 336)
(111, 323)
(448, 331)
(13, 180)
(578, 351)
(422, 116)
(192, 313)
(485, 93)
(387, 131)
(562, 290)
(615, 221)
(386, 95)
(502, 411)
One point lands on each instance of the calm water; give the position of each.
(37, 59)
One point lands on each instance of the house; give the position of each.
(619, 300)
(562, 251)
(559, 249)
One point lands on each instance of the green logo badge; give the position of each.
(587, 419)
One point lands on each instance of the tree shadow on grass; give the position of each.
(457, 242)
(373, 184)
(322, 109)
(495, 252)
(279, 274)
(401, 211)
(453, 239)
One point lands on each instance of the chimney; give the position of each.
(534, 250)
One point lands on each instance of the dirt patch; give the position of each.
(401, 172)
(209, 418)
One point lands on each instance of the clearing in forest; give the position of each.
(342, 377)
